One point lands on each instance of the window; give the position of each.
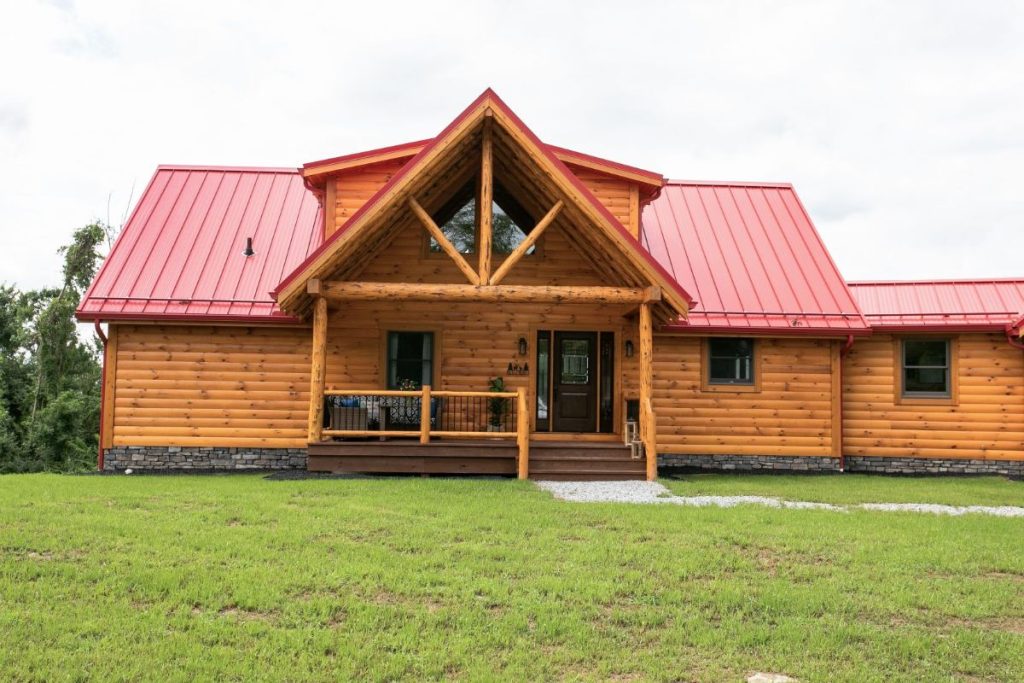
(462, 231)
(926, 368)
(543, 378)
(731, 361)
(410, 359)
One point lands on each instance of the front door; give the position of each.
(574, 382)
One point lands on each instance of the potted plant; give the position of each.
(496, 406)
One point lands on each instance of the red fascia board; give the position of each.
(372, 201)
(355, 156)
(498, 102)
(940, 328)
(738, 331)
(281, 319)
(655, 179)
(589, 196)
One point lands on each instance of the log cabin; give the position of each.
(482, 302)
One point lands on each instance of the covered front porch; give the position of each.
(481, 307)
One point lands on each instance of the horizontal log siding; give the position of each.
(617, 195)
(211, 386)
(987, 423)
(353, 188)
(475, 342)
(790, 416)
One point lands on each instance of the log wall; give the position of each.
(178, 385)
(473, 342)
(985, 422)
(349, 190)
(789, 413)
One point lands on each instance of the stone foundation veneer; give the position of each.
(1013, 468)
(195, 458)
(753, 463)
(749, 462)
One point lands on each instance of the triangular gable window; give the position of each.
(462, 230)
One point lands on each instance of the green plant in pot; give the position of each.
(496, 406)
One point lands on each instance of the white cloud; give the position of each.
(899, 123)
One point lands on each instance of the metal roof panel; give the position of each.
(752, 258)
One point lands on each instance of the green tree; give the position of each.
(49, 375)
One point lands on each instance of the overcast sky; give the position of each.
(900, 123)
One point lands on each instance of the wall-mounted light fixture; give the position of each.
(522, 346)
(629, 348)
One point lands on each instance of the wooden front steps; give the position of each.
(558, 460)
(583, 460)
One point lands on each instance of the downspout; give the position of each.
(845, 349)
(1015, 343)
(103, 391)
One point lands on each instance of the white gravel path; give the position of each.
(651, 492)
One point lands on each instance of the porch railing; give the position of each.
(429, 414)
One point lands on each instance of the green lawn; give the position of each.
(854, 488)
(237, 577)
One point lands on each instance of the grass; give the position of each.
(237, 577)
(849, 489)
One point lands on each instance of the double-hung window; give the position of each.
(410, 359)
(925, 368)
(731, 361)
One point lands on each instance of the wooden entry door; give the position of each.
(574, 382)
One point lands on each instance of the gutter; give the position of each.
(1015, 343)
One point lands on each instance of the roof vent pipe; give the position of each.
(248, 247)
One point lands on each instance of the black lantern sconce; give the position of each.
(522, 346)
(629, 348)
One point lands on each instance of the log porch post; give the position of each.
(425, 415)
(648, 429)
(318, 370)
(484, 205)
(523, 433)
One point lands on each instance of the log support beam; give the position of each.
(445, 244)
(648, 425)
(525, 245)
(380, 291)
(318, 371)
(486, 199)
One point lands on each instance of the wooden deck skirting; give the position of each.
(567, 460)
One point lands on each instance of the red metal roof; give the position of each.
(947, 305)
(180, 254)
(752, 258)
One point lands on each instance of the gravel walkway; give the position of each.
(651, 492)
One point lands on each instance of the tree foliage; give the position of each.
(49, 375)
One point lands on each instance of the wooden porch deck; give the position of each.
(564, 460)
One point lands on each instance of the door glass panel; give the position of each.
(607, 382)
(543, 378)
(575, 361)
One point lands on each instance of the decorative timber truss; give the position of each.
(485, 141)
